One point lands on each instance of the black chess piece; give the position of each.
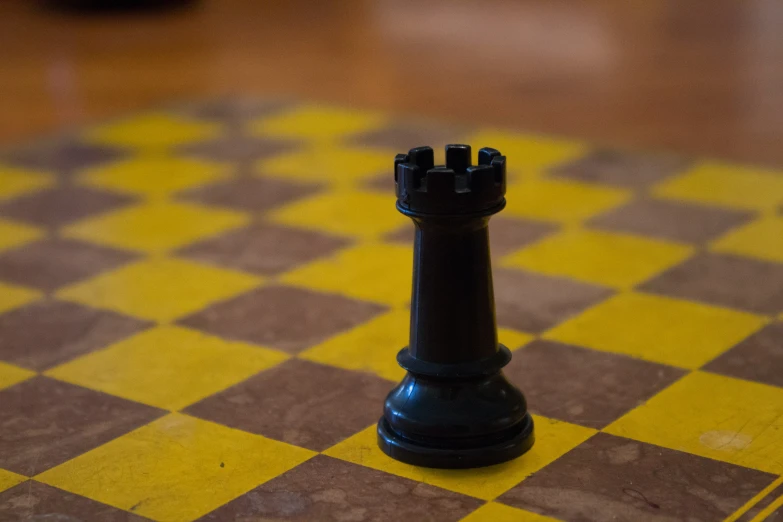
(454, 408)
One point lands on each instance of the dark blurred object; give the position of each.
(111, 6)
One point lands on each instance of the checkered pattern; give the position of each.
(200, 309)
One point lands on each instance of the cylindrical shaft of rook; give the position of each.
(452, 306)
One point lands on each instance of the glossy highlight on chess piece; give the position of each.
(454, 408)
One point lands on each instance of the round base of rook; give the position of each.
(464, 415)
(451, 454)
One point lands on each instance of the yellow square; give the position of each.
(156, 227)
(313, 122)
(371, 347)
(561, 201)
(762, 239)
(512, 339)
(333, 165)
(14, 235)
(12, 296)
(553, 439)
(169, 367)
(659, 329)
(496, 512)
(616, 260)
(718, 417)
(725, 185)
(10, 375)
(9, 479)
(528, 155)
(153, 131)
(159, 289)
(175, 469)
(154, 176)
(16, 182)
(352, 213)
(377, 272)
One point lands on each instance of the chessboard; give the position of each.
(201, 305)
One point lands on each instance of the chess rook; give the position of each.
(454, 408)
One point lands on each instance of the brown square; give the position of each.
(248, 194)
(62, 205)
(404, 136)
(289, 319)
(63, 157)
(44, 422)
(301, 403)
(382, 183)
(324, 488)
(233, 110)
(534, 302)
(758, 358)
(622, 168)
(584, 386)
(670, 220)
(52, 263)
(724, 280)
(236, 147)
(35, 502)
(44, 334)
(613, 478)
(264, 248)
(404, 235)
(509, 234)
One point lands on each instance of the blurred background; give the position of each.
(701, 78)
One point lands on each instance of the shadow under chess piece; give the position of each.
(454, 408)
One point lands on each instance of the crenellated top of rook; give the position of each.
(459, 187)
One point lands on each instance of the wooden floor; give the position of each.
(699, 77)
